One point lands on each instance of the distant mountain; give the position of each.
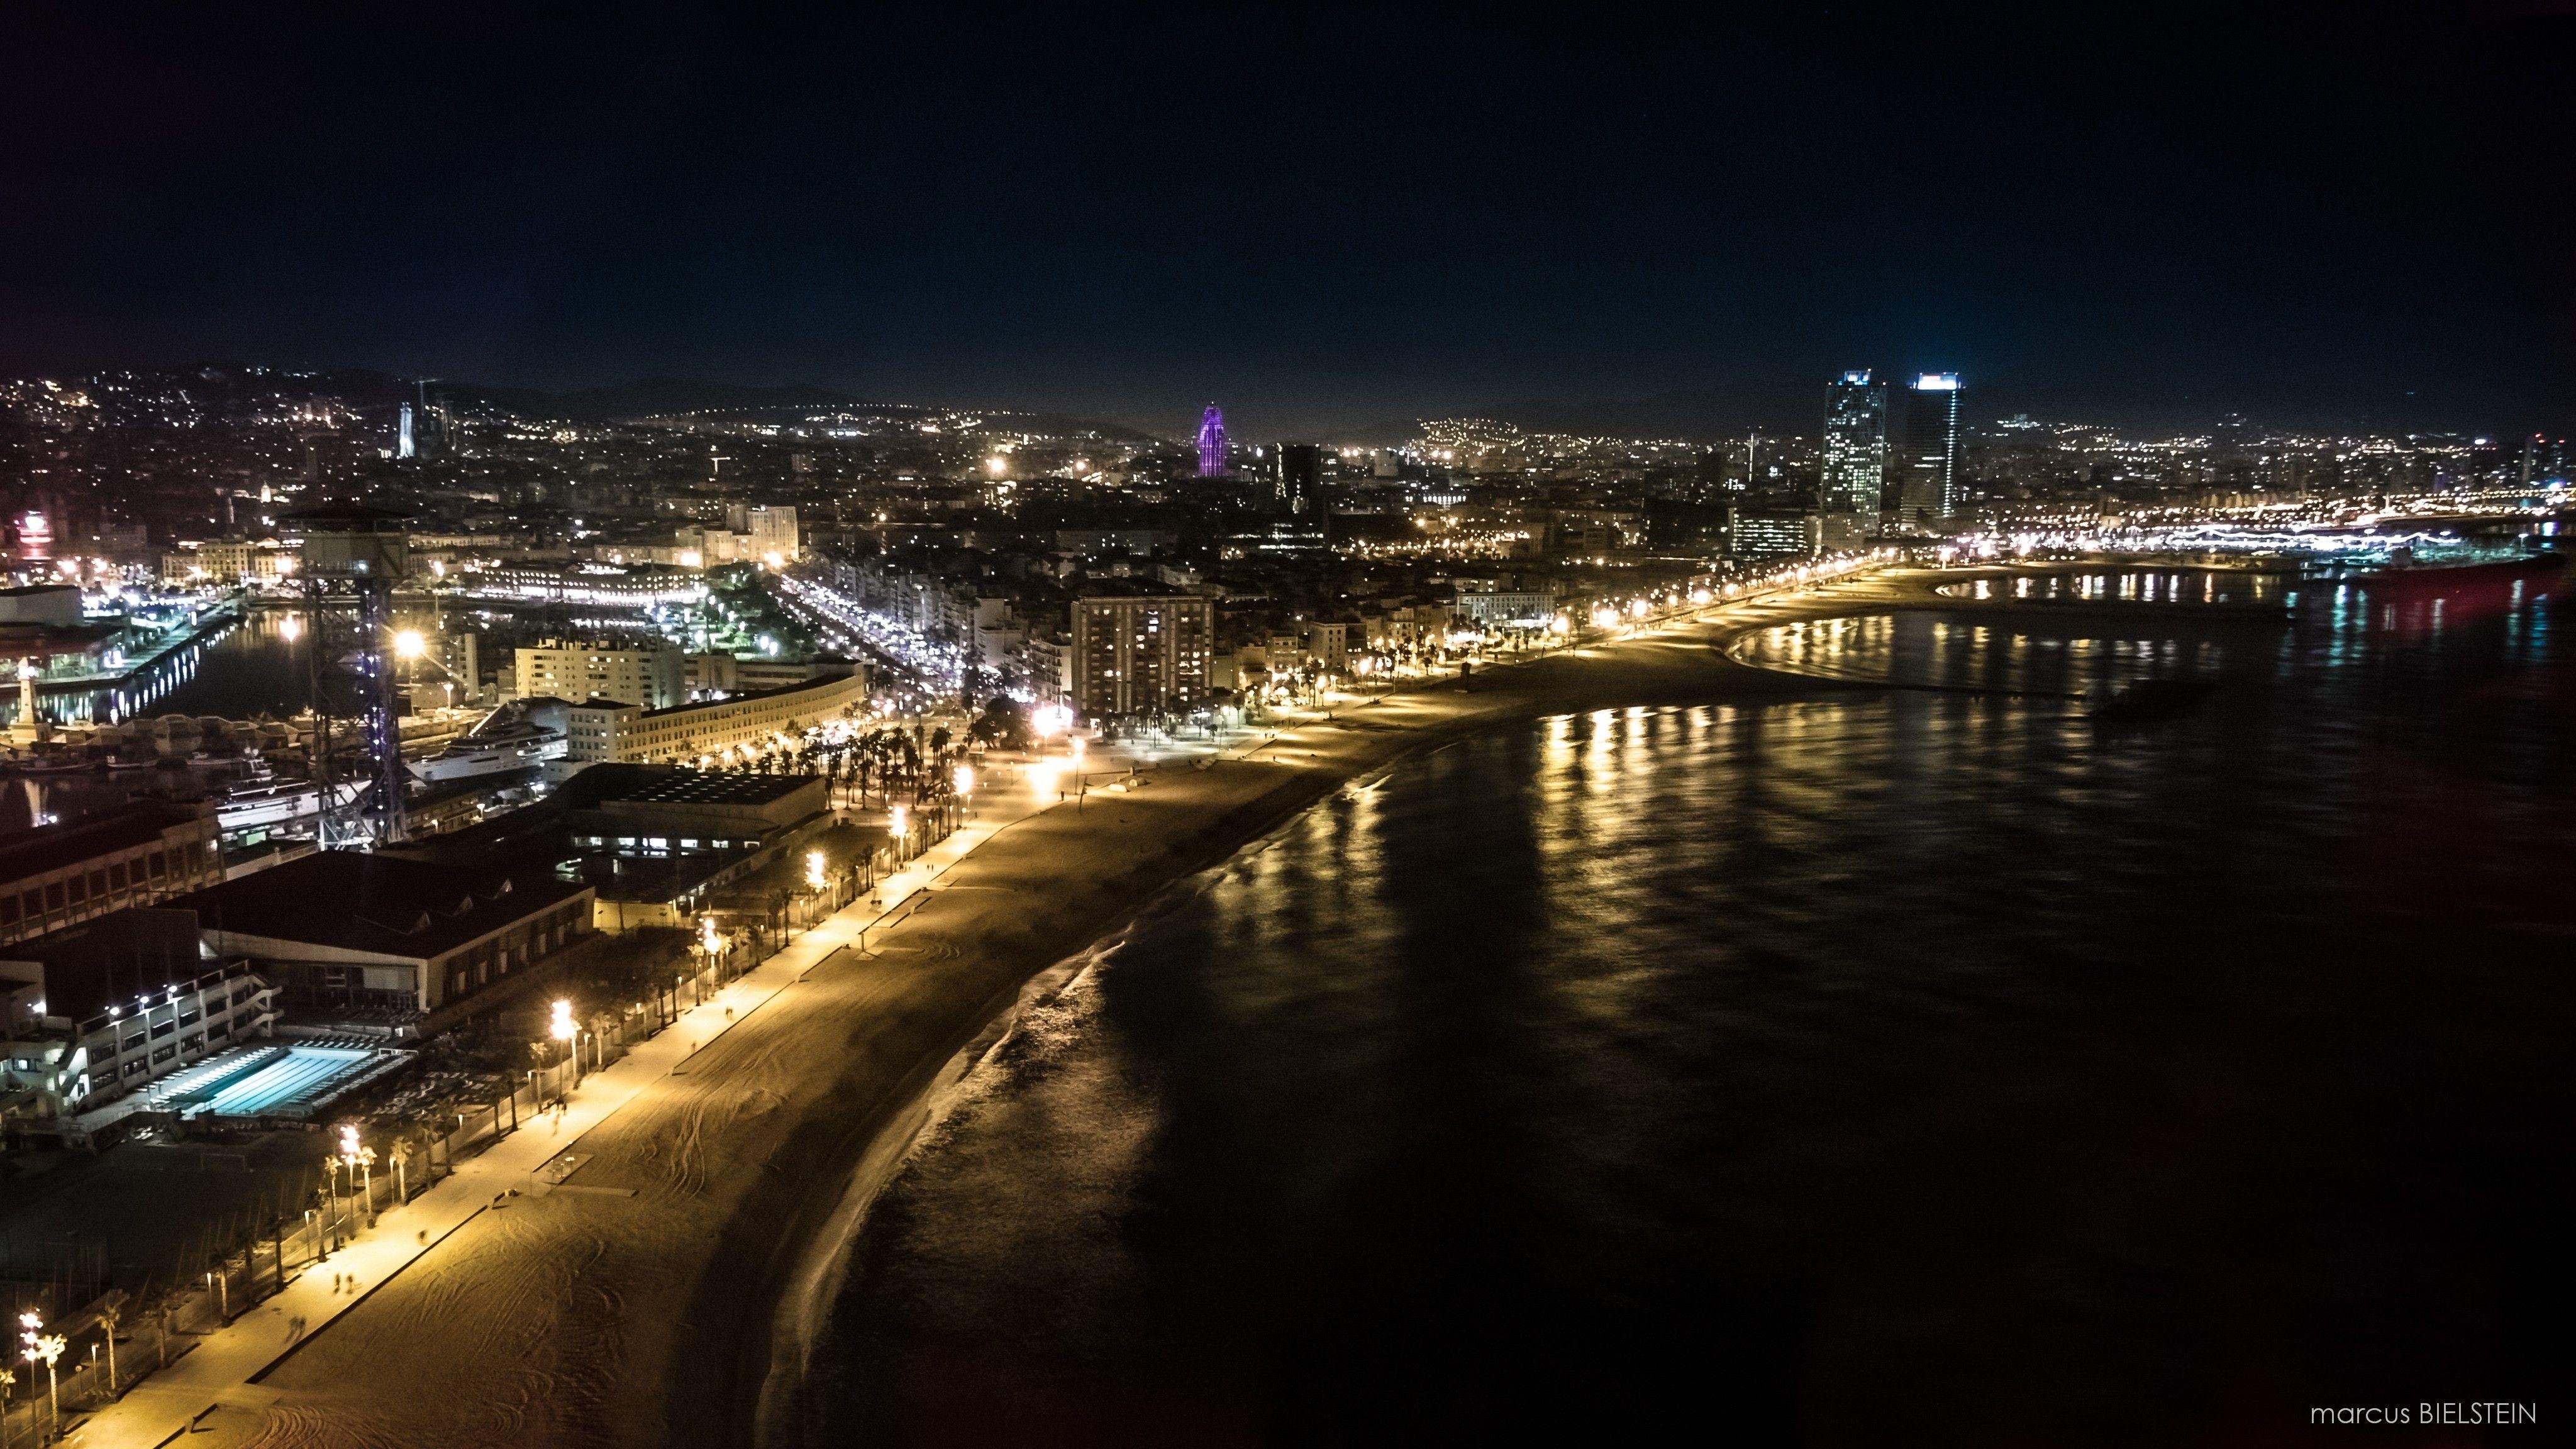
(656, 396)
(221, 384)
(667, 396)
(1704, 416)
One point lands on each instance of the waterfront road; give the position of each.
(227, 1365)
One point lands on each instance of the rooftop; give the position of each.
(750, 695)
(377, 904)
(115, 958)
(51, 847)
(666, 785)
(348, 518)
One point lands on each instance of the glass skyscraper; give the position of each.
(1855, 447)
(1930, 485)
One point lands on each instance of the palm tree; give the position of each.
(107, 1321)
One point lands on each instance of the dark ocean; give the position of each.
(1899, 1067)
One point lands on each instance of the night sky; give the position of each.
(1321, 216)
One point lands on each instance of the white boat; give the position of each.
(509, 738)
(279, 803)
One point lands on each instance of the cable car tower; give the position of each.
(353, 556)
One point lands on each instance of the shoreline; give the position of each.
(802, 1314)
(658, 1294)
(650, 1297)
(772, 1418)
(770, 1412)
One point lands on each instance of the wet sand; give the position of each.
(635, 1307)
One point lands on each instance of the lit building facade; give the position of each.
(1211, 442)
(1931, 485)
(654, 677)
(1772, 534)
(769, 533)
(1855, 454)
(610, 586)
(613, 734)
(1134, 653)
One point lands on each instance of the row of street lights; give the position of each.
(38, 1346)
(357, 1160)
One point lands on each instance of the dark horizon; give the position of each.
(1327, 219)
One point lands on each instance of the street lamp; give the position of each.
(814, 869)
(561, 1028)
(360, 1161)
(44, 1348)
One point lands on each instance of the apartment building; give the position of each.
(1135, 652)
(654, 676)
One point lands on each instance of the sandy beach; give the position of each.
(635, 1305)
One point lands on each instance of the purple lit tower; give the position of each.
(1211, 442)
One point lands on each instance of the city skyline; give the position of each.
(1290, 725)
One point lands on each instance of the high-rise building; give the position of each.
(1930, 483)
(1855, 461)
(2545, 460)
(1211, 442)
(1140, 652)
(403, 446)
(1301, 478)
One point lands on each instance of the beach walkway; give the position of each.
(227, 1365)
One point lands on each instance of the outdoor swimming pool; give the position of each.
(274, 1081)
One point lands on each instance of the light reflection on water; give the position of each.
(2143, 586)
(1960, 651)
(1859, 1065)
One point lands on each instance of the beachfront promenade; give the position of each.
(227, 1364)
(633, 1303)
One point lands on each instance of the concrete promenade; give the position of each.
(226, 1366)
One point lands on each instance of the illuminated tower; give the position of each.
(1930, 483)
(1855, 469)
(403, 447)
(1211, 443)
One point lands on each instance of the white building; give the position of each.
(606, 733)
(653, 676)
(769, 534)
